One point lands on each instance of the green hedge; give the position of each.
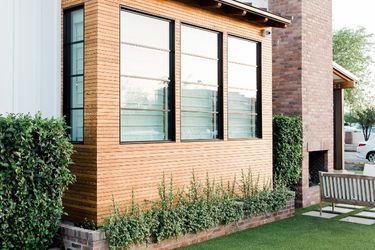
(287, 149)
(201, 207)
(34, 157)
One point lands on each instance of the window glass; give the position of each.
(242, 100)
(242, 76)
(77, 58)
(144, 30)
(143, 125)
(241, 125)
(146, 82)
(199, 125)
(199, 70)
(138, 61)
(200, 107)
(77, 125)
(77, 92)
(243, 94)
(199, 41)
(74, 72)
(242, 51)
(144, 94)
(199, 98)
(77, 25)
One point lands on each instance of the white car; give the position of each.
(366, 150)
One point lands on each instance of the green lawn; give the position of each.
(300, 232)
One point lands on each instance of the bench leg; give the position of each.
(321, 208)
(333, 207)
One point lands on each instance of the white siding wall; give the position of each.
(30, 62)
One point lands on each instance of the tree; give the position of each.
(366, 118)
(350, 118)
(352, 50)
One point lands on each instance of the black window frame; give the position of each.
(220, 89)
(171, 85)
(67, 76)
(259, 108)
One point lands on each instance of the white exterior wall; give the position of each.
(30, 58)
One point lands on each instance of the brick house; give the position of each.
(168, 86)
(164, 87)
(147, 87)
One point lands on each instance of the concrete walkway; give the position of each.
(347, 213)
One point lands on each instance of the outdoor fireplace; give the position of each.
(317, 162)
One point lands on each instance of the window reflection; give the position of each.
(137, 28)
(74, 72)
(199, 70)
(145, 78)
(200, 83)
(243, 109)
(144, 62)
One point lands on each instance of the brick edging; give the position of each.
(79, 238)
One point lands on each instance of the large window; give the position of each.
(73, 72)
(244, 118)
(201, 84)
(146, 78)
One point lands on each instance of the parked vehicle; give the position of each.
(351, 129)
(366, 150)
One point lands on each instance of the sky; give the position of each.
(352, 14)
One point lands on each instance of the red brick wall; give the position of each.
(302, 78)
(287, 60)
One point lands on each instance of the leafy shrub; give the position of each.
(166, 216)
(266, 201)
(287, 149)
(34, 158)
(128, 228)
(199, 208)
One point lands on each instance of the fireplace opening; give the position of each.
(318, 161)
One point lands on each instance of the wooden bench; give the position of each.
(347, 189)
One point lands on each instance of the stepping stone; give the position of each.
(338, 210)
(358, 220)
(317, 214)
(349, 206)
(366, 214)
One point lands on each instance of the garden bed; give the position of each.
(80, 238)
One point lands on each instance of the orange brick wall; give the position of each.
(120, 168)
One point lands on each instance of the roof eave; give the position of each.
(348, 79)
(250, 13)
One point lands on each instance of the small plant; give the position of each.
(165, 213)
(87, 224)
(248, 186)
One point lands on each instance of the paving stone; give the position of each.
(372, 209)
(358, 220)
(366, 214)
(317, 214)
(349, 206)
(338, 210)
